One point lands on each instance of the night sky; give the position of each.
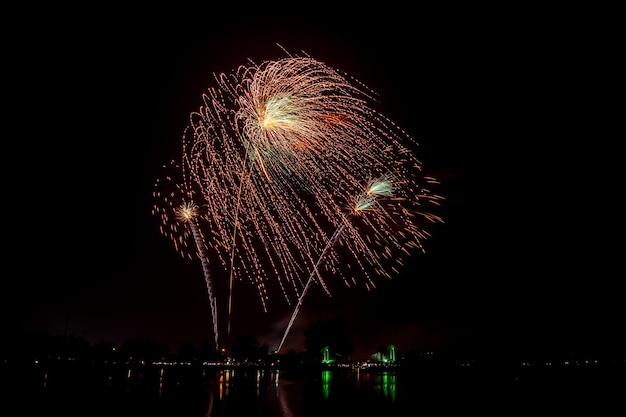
(510, 113)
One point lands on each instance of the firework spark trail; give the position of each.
(190, 216)
(273, 150)
(315, 272)
(232, 253)
(179, 216)
(380, 188)
(218, 156)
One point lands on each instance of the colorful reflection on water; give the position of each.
(218, 391)
(268, 392)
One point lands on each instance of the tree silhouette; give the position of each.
(246, 348)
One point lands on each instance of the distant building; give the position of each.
(326, 357)
(389, 355)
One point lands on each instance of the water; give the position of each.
(185, 391)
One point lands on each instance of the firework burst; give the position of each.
(279, 153)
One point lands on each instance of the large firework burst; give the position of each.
(302, 178)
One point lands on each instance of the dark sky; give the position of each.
(509, 111)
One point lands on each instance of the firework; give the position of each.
(373, 201)
(278, 153)
(174, 204)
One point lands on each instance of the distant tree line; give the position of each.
(333, 335)
(41, 347)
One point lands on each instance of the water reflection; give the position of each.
(327, 376)
(161, 371)
(207, 391)
(265, 392)
(243, 391)
(193, 391)
(386, 383)
(383, 381)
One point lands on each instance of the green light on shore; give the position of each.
(326, 355)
